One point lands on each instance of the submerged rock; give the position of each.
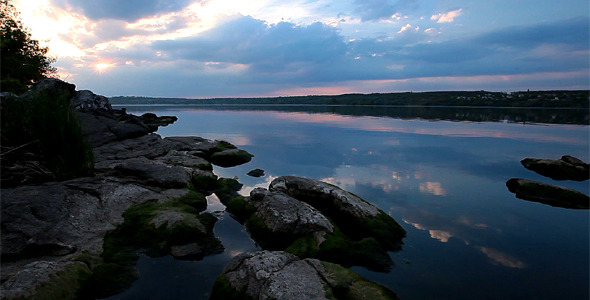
(548, 194)
(565, 168)
(281, 275)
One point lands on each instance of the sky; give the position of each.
(259, 48)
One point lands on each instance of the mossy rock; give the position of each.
(346, 284)
(222, 290)
(153, 228)
(66, 284)
(204, 181)
(230, 157)
(227, 192)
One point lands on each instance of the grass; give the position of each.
(45, 128)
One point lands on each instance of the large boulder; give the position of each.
(565, 168)
(52, 87)
(280, 219)
(281, 275)
(356, 217)
(548, 194)
(292, 215)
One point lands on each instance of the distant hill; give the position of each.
(563, 99)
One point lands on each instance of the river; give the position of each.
(440, 172)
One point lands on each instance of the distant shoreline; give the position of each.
(576, 99)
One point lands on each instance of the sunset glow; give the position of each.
(274, 48)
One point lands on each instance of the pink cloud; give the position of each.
(447, 17)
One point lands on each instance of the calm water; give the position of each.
(443, 181)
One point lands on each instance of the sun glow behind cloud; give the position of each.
(355, 47)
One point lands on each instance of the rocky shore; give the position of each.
(79, 238)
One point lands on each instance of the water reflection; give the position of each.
(467, 234)
(502, 258)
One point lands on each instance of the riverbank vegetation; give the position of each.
(565, 98)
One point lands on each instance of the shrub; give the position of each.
(46, 129)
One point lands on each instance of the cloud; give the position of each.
(373, 10)
(282, 47)
(572, 32)
(447, 17)
(128, 10)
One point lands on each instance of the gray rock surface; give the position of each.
(311, 190)
(86, 100)
(274, 275)
(281, 275)
(284, 214)
(53, 223)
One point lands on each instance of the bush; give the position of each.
(45, 129)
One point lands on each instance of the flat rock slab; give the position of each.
(154, 172)
(548, 194)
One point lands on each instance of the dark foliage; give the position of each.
(41, 139)
(22, 60)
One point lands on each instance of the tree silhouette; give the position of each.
(22, 60)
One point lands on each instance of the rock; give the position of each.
(230, 157)
(142, 196)
(154, 172)
(256, 173)
(52, 87)
(86, 100)
(189, 159)
(153, 122)
(566, 168)
(45, 280)
(299, 215)
(284, 218)
(547, 194)
(323, 194)
(280, 275)
(354, 216)
(188, 251)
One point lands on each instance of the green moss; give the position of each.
(203, 182)
(305, 246)
(65, 284)
(385, 230)
(346, 284)
(230, 158)
(115, 270)
(227, 189)
(367, 252)
(222, 290)
(109, 279)
(223, 145)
